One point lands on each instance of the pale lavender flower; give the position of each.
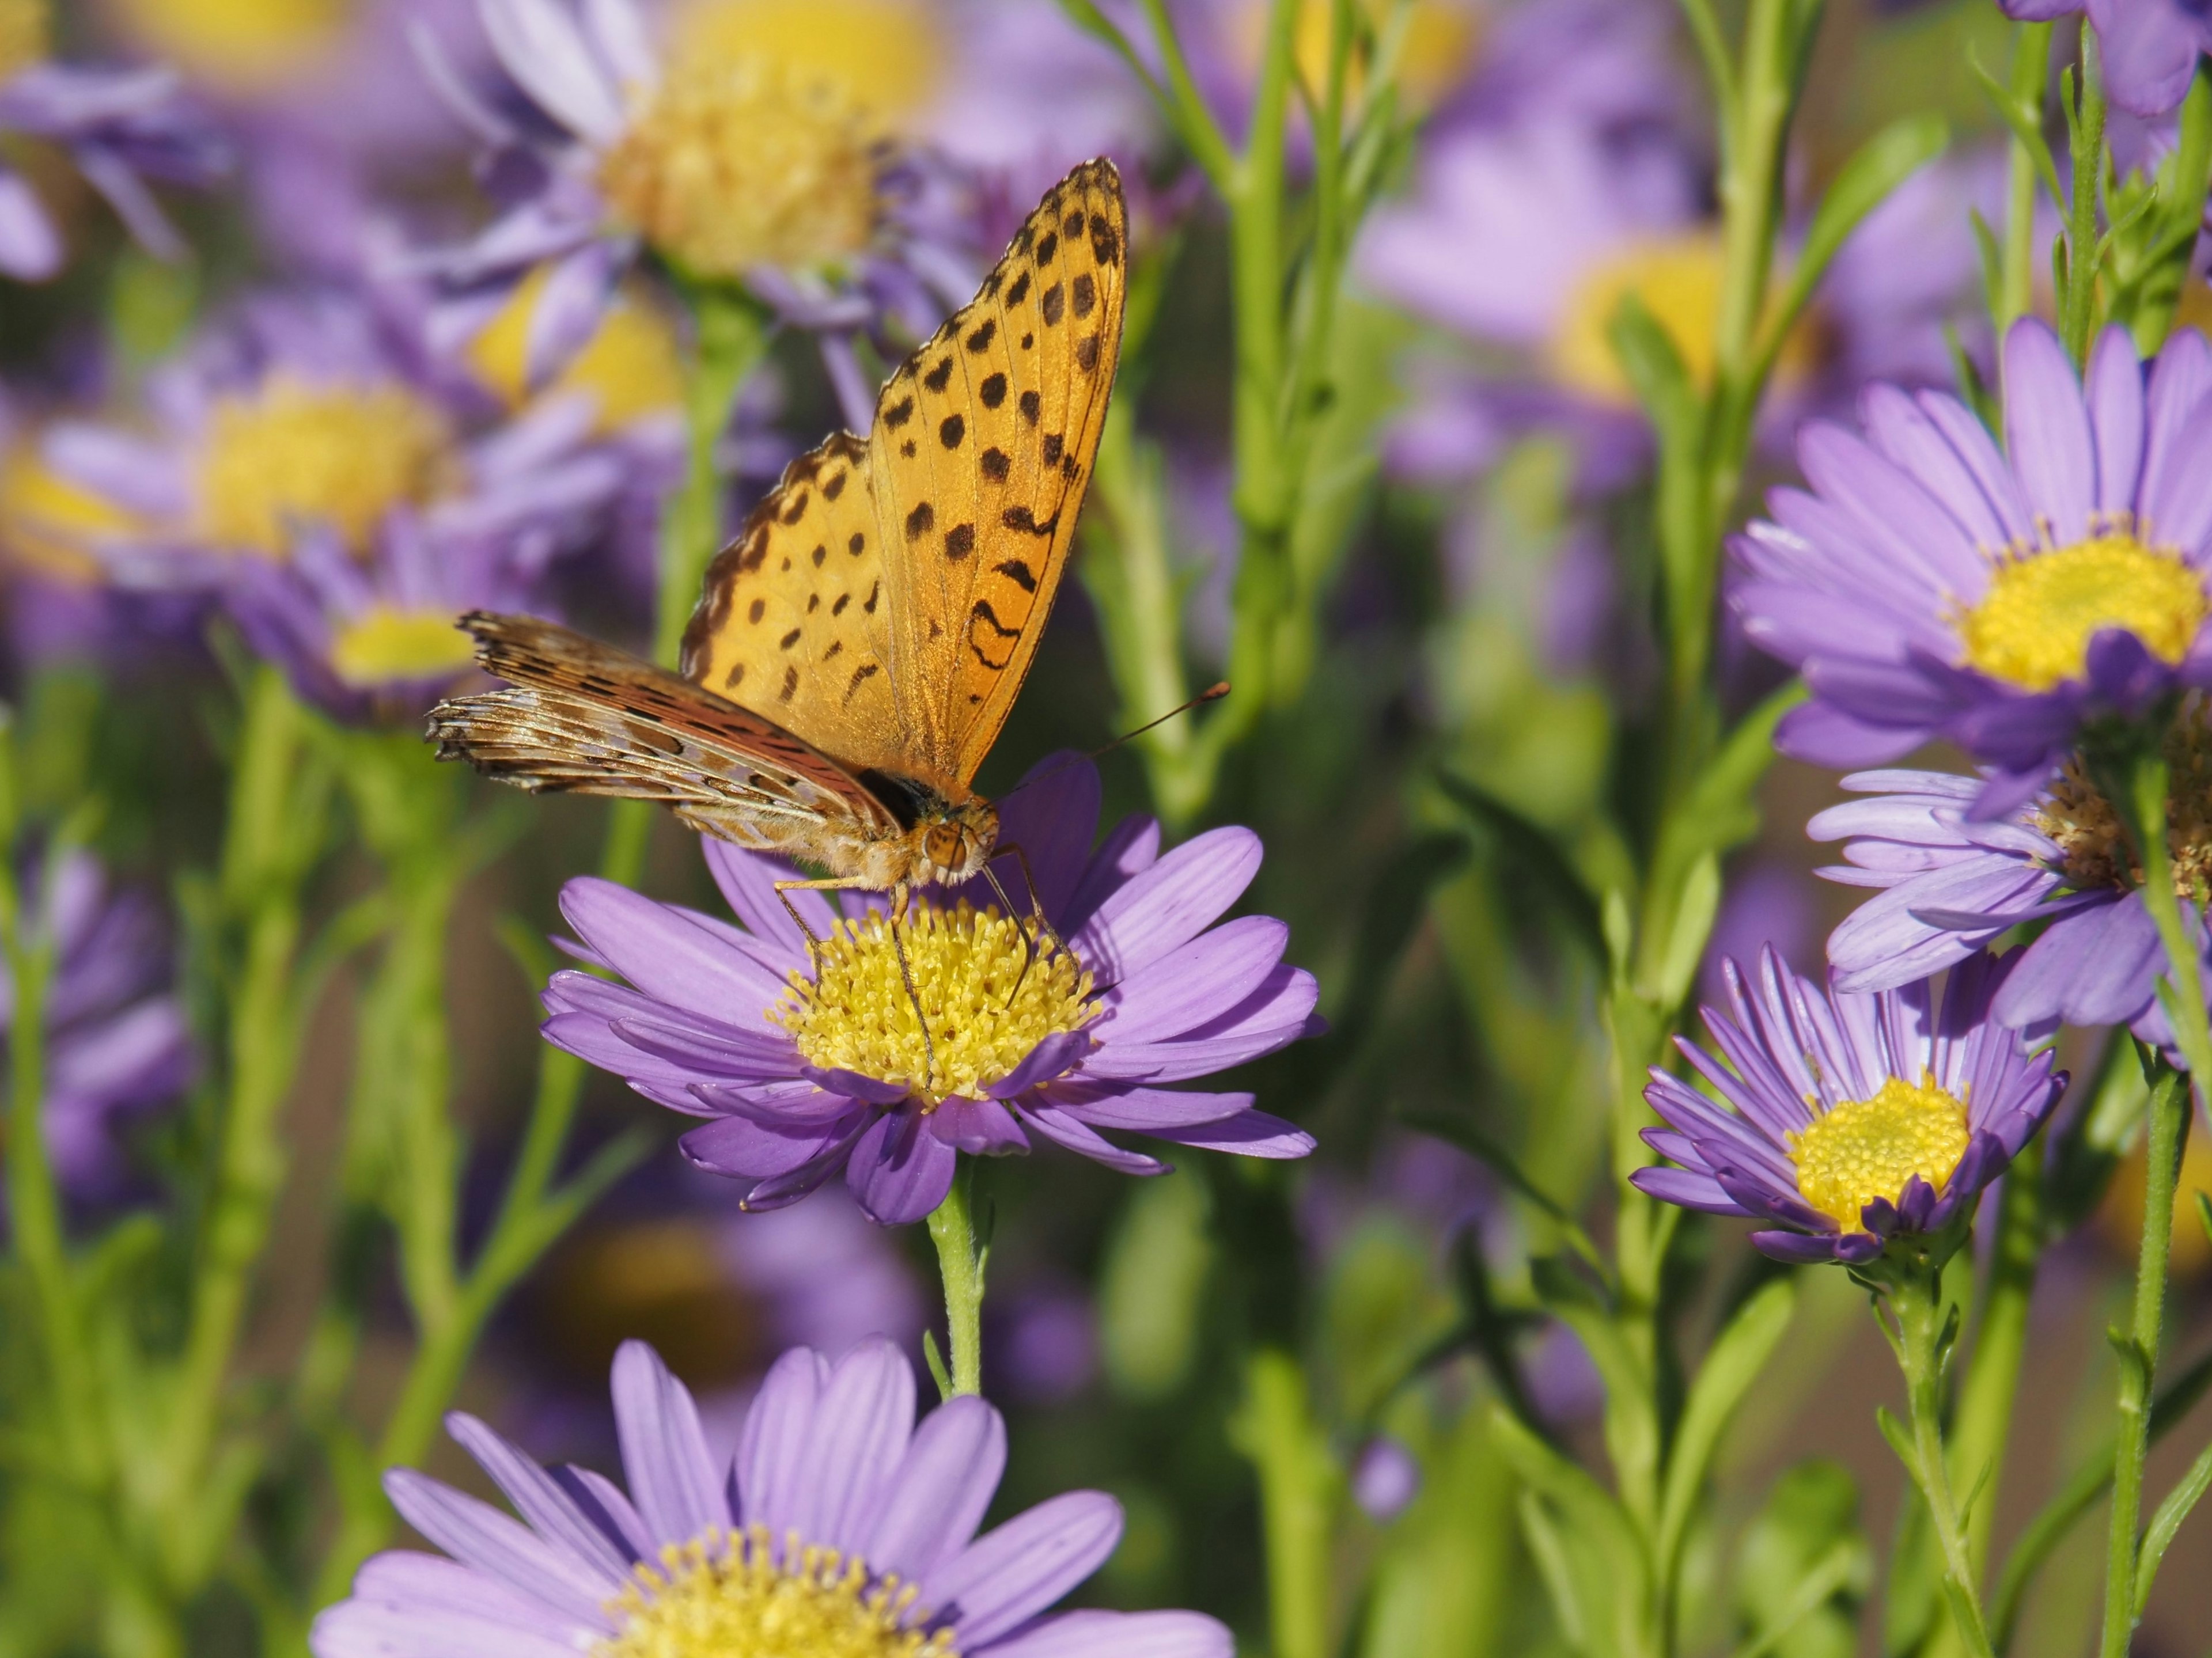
(120, 127)
(1847, 1119)
(799, 1081)
(118, 1046)
(2149, 48)
(840, 1516)
(1929, 585)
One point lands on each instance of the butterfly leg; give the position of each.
(900, 895)
(1044, 927)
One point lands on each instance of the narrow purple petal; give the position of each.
(861, 1431)
(2047, 430)
(1016, 1571)
(771, 1451)
(899, 1171)
(673, 1479)
(1169, 904)
(943, 1484)
(1118, 1635)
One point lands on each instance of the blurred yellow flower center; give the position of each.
(1678, 280)
(48, 522)
(629, 367)
(2033, 627)
(1869, 1149)
(384, 645)
(242, 44)
(726, 1595)
(1439, 40)
(26, 34)
(884, 56)
(290, 455)
(742, 157)
(2093, 846)
(856, 1015)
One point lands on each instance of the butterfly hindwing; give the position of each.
(794, 620)
(981, 454)
(583, 717)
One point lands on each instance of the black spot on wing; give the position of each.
(1048, 248)
(959, 541)
(918, 521)
(857, 546)
(860, 677)
(755, 610)
(993, 391)
(819, 554)
(1054, 305)
(734, 677)
(952, 429)
(1054, 444)
(1021, 518)
(1084, 292)
(907, 448)
(1032, 407)
(797, 510)
(940, 377)
(790, 685)
(899, 413)
(843, 599)
(996, 465)
(1020, 291)
(1018, 573)
(834, 488)
(1086, 353)
(980, 338)
(788, 639)
(1105, 245)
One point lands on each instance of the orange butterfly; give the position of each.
(859, 645)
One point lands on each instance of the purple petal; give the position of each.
(479, 1535)
(1800, 1249)
(542, 49)
(943, 1486)
(736, 1146)
(2116, 415)
(1050, 1058)
(1688, 1189)
(1248, 1134)
(1016, 1571)
(772, 1449)
(2047, 430)
(2150, 49)
(1131, 848)
(1064, 1130)
(671, 954)
(1195, 983)
(899, 1171)
(1169, 904)
(30, 246)
(748, 882)
(860, 1433)
(539, 1498)
(673, 1479)
(1120, 1635)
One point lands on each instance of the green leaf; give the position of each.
(1738, 1354)
(1882, 163)
(1700, 902)
(2158, 1537)
(1654, 366)
(1397, 907)
(1536, 854)
(1601, 1578)
(2027, 125)
(1803, 1554)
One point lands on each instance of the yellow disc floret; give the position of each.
(2094, 847)
(52, 524)
(884, 55)
(1868, 1149)
(290, 455)
(244, 45)
(729, 1595)
(629, 367)
(385, 645)
(26, 34)
(2032, 628)
(739, 162)
(1678, 280)
(857, 1014)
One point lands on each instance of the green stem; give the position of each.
(2031, 74)
(961, 1263)
(2079, 303)
(1299, 1487)
(272, 839)
(1916, 1298)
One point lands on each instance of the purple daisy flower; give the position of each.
(117, 1041)
(1953, 883)
(1929, 586)
(841, 1526)
(729, 163)
(1847, 1119)
(2149, 47)
(806, 1064)
(119, 126)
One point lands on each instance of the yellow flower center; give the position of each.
(886, 56)
(2033, 627)
(630, 366)
(26, 34)
(1869, 1149)
(743, 158)
(857, 1014)
(725, 1595)
(2093, 847)
(1678, 280)
(290, 455)
(242, 46)
(384, 645)
(49, 523)
(1440, 41)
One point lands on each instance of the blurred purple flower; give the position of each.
(841, 1523)
(1767, 905)
(1953, 884)
(1385, 1478)
(1930, 587)
(1847, 1119)
(117, 1043)
(799, 1081)
(1041, 1341)
(2149, 47)
(120, 127)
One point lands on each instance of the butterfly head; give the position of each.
(955, 841)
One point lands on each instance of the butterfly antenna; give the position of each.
(1213, 693)
(1029, 944)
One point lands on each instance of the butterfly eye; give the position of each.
(944, 846)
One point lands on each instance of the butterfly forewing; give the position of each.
(794, 620)
(981, 454)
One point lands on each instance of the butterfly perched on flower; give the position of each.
(860, 643)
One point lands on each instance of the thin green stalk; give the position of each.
(2031, 75)
(1916, 1299)
(271, 840)
(2078, 313)
(961, 1262)
(1982, 1427)
(1299, 1487)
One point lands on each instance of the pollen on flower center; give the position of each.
(1678, 280)
(736, 1596)
(733, 163)
(384, 644)
(291, 454)
(26, 34)
(2033, 627)
(857, 1015)
(629, 367)
(1869, 1149)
